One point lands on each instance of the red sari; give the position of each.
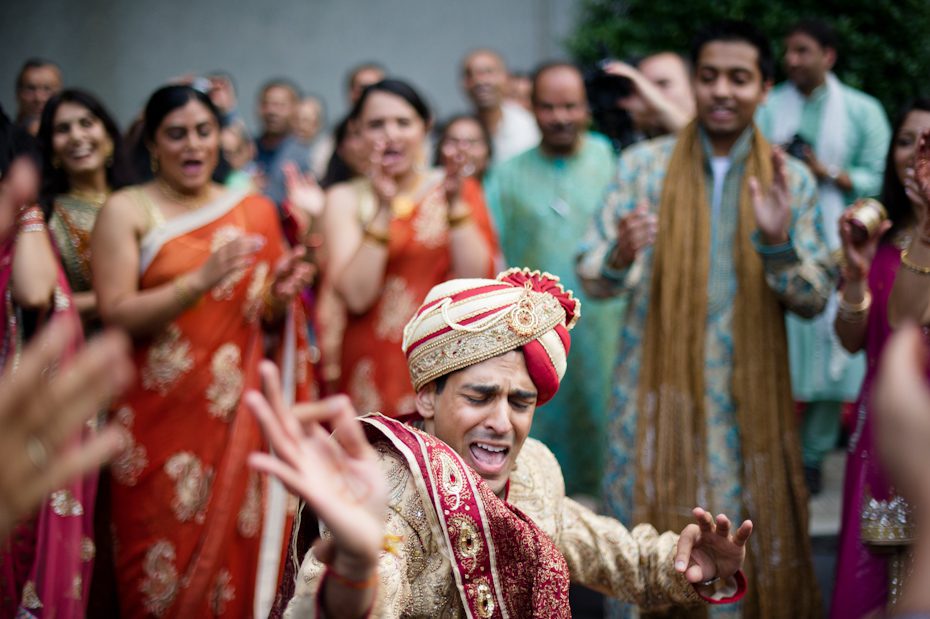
(189, 516)
(374, 369)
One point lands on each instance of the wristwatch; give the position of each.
(833, 172)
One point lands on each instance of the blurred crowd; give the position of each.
(744, 253)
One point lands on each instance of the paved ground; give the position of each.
(825, 512)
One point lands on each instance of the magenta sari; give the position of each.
(861, 574)
(46, 564)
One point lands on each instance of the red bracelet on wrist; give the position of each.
(349, 583)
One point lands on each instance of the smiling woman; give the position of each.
(83, 161)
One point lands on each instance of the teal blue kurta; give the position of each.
(820, 369)
(542, 207)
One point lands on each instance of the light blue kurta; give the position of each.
(820, 369)
(799, 272)
(542, 207)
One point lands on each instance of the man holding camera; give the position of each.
(842, 135)
(712, 234)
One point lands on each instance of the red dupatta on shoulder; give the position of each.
(503, 564)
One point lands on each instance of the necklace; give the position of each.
(97, 198)
(188, 202)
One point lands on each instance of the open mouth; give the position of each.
(192, 167)
(488, 458)
(392, 156)
(720, 113)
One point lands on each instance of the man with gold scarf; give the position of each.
(713, 234)
(468, 517)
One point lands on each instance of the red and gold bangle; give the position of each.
(30, 219)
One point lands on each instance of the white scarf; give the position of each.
(831, 149)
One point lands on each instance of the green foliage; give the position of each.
(883, 43)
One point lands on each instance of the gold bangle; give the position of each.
(182, 292)
(854, 313)
(911, 266)
(380, 239)
(459, 220)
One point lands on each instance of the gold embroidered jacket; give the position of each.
(601, 553)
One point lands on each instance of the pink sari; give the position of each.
(46, 564)
(862, 573)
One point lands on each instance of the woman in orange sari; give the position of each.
(197, 275)
(391, 237)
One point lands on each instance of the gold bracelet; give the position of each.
(459, 220)
(911, 266)
(182, 292)
(853, 313)
(380, 239)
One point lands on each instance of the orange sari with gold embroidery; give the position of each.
(374, 369)
(188, 513)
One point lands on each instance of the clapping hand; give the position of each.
(291, 275)
(457, 167)
(772, 207)
(383, 184)
(636, 231)
(304, 194)
(337, 475)
(708, 549)
(917, 185)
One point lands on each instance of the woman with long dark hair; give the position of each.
(46, 562)
(874, 524)
(392, 236)
(83, 162)
(197, 275)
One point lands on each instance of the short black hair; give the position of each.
(733, 30)
(548, 66)
(33, 63)
(820, 31)
(281, 82)
(371, 65)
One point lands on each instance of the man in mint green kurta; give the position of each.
(848, 134)
(542, 201)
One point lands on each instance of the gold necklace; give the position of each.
(97, 198)
(404, 202)
(188, 202)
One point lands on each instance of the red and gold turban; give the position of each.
(466, 321)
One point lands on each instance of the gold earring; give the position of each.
(56, 162)
(108, 161)
(154, 164)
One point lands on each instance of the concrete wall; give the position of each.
(122, 50)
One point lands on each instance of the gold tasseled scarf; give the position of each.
(671, 437)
